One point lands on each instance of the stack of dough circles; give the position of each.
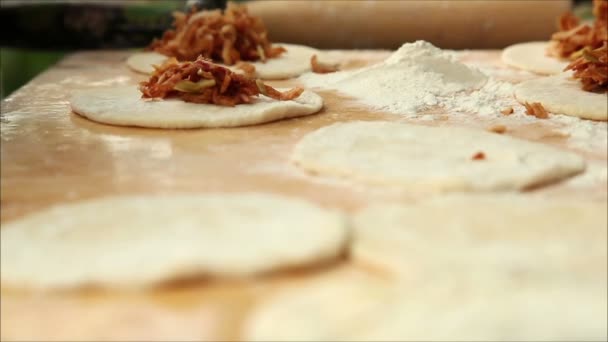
(483, 268)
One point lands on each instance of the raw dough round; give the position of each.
(123, 106)
(489, 268)
(294, 62)
(422, 158)
(134, 241)
(512, 235)
(560, 94)
(532, 56)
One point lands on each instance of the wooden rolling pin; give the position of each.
(382, 24)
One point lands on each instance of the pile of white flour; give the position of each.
(416, 77)
(420, 76)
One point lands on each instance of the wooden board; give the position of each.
(50, 156)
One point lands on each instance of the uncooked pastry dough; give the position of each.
(532, 56)
(292, 63)
(321, 307)
(422, 158)
(123, 106)
(513, 235)
(456, 293)
(451, 309)
(132, 241)
(494, 267)
(560, 94)
(487, 310)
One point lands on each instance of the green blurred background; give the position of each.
(18, 66)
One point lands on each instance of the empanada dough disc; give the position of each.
(561, 94)
(292, 63)
(123, 106)
(532, 56)
(431, 159)
(138, 241)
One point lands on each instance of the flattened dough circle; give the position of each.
(561, 94)
(133, 241)
(532, 56)
(123, 106)
(431, 159)
(495, 234)
(292, 63)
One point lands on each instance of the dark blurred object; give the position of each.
(88, 24)
(205, 4)
(455, 24)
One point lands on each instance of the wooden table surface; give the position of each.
(50, 156)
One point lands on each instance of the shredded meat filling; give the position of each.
(573, 36)
(248, 68)
(536, 109)
(201, 81)
(500, 129)
(479, 156)
(226, 37)
(507, 111)
(586, 46)
(592, 69)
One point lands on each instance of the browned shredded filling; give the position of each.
(226, 37)
(536, 109)
(592, 69)
(507, 111)
(321, 68)
(586, 46)
(500, 129)
(248, 68)
(573, 36)
(479, 156)
(201, 81)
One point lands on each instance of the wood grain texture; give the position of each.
(50, 156)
